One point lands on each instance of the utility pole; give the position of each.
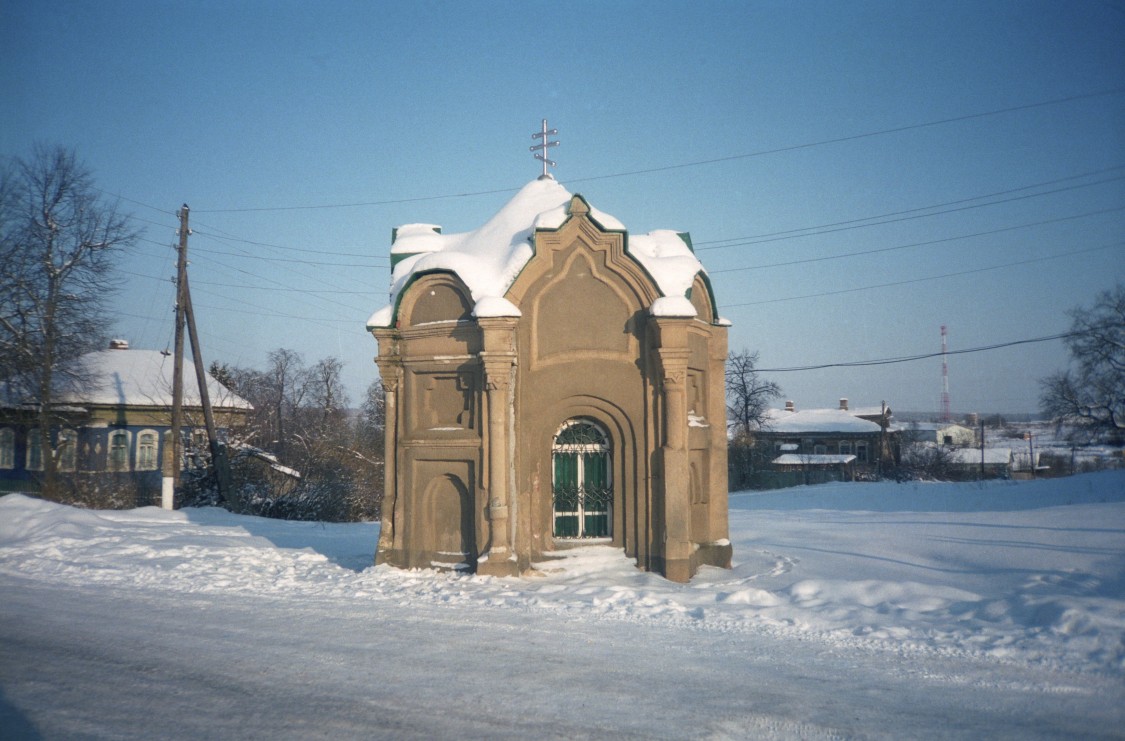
(218, 454)
(185, 315)
(946, 415)
(982, 448)
(174, 449)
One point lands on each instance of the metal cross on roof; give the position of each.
(541, 148)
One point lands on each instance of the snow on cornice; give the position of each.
(489, 259)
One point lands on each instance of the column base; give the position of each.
(505, 565)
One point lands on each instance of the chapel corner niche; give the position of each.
(572, 415)
(435, 297)
(701, 299)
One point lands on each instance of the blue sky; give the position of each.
(732, 121)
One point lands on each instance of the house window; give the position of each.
(7, 447)
(582, 492)
(147, 450)
(861, 452)
(67, 450)
(34, 450)
(845, 448)
(820, 449)
(118, 451)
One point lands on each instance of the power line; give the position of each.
(272, 259)
(854, 137)
(917, 244)
(265, 311)
(133, 201)
(231, 237)
(271, 280)
(924, 356)
(389, 202)
(244, 287)
(854, 223)
(696, 163)
(928, 278)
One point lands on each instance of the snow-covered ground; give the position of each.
(853, 611)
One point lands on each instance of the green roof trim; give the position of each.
(396, 259)
(710, 294)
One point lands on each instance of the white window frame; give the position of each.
(142, 465)
(110, 465)
(34, 445)
(7, 448)
(67, 439)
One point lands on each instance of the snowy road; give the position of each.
(120, 663)
(865, 611)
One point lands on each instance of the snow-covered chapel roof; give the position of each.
(489, 259)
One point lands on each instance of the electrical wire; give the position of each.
(923, 356)
(917, 244)
(853, 223)
(696, 163)
(927, 278)
(273, 259)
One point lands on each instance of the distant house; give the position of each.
(970, 463)
(828, 467)
(118, 423)
(828, 444)
(942, 433)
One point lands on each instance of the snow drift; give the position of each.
(1024, 582)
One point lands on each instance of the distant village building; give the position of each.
(816, 445)
(942, 433)
(118, 422)
(968, 464)
(551, 380)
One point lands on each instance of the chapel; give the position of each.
(551, 381)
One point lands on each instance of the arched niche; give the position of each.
(581, 313)
(435, 297)
(701, 299)
(447, 508)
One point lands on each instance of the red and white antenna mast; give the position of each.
(945, 414)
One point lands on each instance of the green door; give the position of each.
(582, 491)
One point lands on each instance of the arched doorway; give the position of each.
(582, 486)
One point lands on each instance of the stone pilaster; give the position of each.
(715, 550)
(675, 472)
(390, 372)
(498, 359)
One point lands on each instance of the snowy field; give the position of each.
(853, 611)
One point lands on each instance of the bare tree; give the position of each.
(1091, 394)
(748, 396)
(301, 416)
(927, 462)
(748, 399)
(58, 240)
(326, 389)
(370, 427)
(286, 382)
